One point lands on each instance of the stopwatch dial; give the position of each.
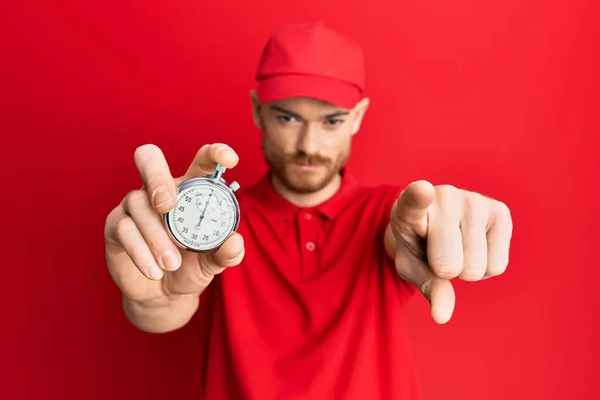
(203, 201)
(203, 217)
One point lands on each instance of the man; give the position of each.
(311, 303)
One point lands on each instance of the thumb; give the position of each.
(410, 210)
(438, 291)
(198, 269)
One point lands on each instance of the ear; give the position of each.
(359, 112)
(256, 107)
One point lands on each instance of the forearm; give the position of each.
(389, 241)
(163, 315)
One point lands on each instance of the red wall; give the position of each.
(493, 96)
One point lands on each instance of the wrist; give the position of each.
(163, 314)
(159, 302)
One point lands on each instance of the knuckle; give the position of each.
(140, 256)
(445, 190)
(134, 199)
(123, 228)
(445, 266)
(474, 203)
(502, 209)
(156, 246)
(110, 223)
(203, 156)
(446, 197)
(154, 182)
(502, 217)
(503, 212)
(203, 151)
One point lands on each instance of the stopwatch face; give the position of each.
(204, 216)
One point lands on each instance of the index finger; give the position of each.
(410, 210)
(208, 157)
(156, 176)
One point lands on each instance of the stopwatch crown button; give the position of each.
(234, 186)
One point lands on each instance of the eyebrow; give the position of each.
(296, 115)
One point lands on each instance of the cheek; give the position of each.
(338, 143)
(271, 138)
(277, 137)
(272, 143)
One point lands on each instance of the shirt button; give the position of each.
(308, 216)
(310, 246)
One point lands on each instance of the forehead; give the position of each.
(307, 106)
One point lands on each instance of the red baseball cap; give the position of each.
(311, 60)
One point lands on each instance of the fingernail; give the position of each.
(170, 260)
(226, 152)
(161, 197)
(155, 272)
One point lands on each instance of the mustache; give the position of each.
(309, 159)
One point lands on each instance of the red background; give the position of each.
(494, 96)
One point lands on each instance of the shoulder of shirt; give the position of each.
(384, 192)
(383, 189)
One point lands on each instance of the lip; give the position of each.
(306, 167)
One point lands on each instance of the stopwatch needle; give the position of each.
(204, 211)
(200, 222)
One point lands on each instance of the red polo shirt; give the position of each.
(315, 310)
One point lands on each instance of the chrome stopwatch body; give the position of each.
(206, 213)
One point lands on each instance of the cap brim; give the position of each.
(333, 91)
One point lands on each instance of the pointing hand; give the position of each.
(443, 233)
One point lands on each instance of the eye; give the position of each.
(286, 118)
(334, 121)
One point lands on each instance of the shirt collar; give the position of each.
(270, 199)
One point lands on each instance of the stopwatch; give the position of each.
(206, 212)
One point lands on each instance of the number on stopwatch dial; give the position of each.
(203, 217)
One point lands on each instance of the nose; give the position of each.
(308, 142)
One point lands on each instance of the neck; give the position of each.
(308, 199)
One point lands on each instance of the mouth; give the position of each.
(306, 166)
